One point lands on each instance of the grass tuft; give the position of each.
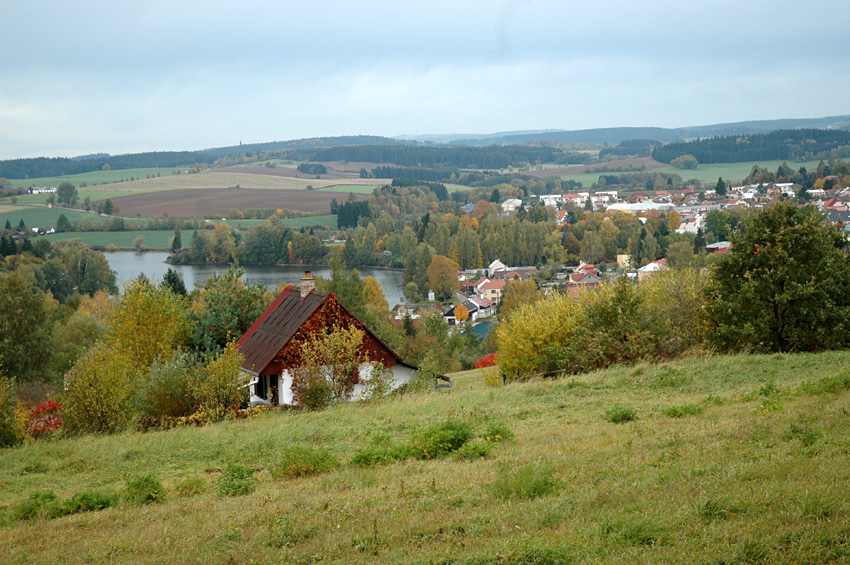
(144, 489)
(236, 480)
(682, 410)
(620, 414)
(440, 439)
(304, 461)
(525, 482)
(717, 508)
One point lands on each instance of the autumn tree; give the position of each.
(330, 367)
(516, 294)
(374, 296)
(784, 284)
(461, 313)
(150, 323)
(442, 277)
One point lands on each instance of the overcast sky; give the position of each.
(96, 76)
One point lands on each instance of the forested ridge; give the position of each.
(789, 145)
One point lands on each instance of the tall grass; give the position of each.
(731, 482)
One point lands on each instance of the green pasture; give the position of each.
(92, 178)
(736, 172)
(328, 220)
(120, 239)
(721, 459)
(41, 216)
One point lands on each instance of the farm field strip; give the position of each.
(159, 239)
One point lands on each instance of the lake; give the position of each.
(128, 264)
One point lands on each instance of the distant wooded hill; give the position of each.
(58, 166)
(789, 145)
(613, 136)
(492, 152)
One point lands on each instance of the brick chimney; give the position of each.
(308, 283)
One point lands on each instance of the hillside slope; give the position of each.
(730, 458)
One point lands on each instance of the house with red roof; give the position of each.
(272, 345)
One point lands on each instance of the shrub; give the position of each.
(144, 489)
(492, 377)
(10, 430)
(525, 482)
(99, 392)
(45, 419)
(36, 505)
(620, 414)
(553, 321)
(302, 461)
(497, 431)
(381, 450)
(441, 439)
(475, 449)
(218, 387)
(826, 385)
(83, 502)
(236, 480)
(191, 486)
(314, 392)
(167, 391)
(682, 410)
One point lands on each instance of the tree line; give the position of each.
(791, 145)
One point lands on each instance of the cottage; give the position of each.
(272, 345)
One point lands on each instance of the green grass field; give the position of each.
(727, 459)
(39, 215)
(159, 239)
(91, 178)
(328, 220)
(735, 172)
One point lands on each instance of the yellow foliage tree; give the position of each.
(532, 339)
(149, 323)
(374, 296)
(100, 306)
(461, 313)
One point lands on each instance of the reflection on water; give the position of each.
(128, 264)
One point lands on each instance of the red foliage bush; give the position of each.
(45, 419)
(489, 361)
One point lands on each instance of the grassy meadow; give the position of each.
(92, 178)
(735, 172)
(154, 239)
(725, 459)
(40, 215)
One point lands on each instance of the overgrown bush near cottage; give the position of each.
(168, 390)
(99, 393)
(218, 387)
